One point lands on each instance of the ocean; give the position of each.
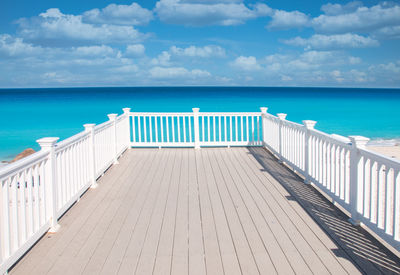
(29, 114)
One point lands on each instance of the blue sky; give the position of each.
(199, 42)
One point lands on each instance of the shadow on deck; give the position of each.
(354, 243)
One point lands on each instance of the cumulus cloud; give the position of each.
(16, 47)
(358, 19)
(58, 29)
(177, 72)
(135, 50)
(204, 52)
(114, 14)
(163, 59)
(338, 41)
(246, 63)
(97, 51)
(285, 20)
(336, 9)
(224, 13)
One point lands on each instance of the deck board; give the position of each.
(208, 211)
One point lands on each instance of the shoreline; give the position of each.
(391, 151)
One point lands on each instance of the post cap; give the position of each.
(47, 142)
(126, 110)
(112, 116)
(359, 141)
(282, 116)
(263, 110)
(309, 124)
(89, 126)
(195, 110)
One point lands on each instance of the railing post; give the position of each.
(196, 128)
(49, 144)
(355, 179)
(309, 125)
(127, 113)
(113, 117)
(263, 118)
(281, 117)
(89, 128)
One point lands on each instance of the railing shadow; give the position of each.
(355, 243)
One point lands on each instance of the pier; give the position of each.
(201, 193)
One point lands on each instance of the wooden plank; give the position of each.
(149, 249)
(287, 228)
(195, 242)
(180, 251)
(83, 245)
(243, 251)
(292, 254)
(162, 264)
(300, 219)
(135, 223)
(97, 260)
(227, 247)
(212, 251)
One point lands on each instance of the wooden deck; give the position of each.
(208, 211)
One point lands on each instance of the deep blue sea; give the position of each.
(29, 114)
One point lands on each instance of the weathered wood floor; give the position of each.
(208, 211)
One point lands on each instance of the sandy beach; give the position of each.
(390, 151)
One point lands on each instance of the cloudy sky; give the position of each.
(72, 43)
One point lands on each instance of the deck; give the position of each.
(208, 211)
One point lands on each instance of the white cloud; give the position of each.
(162, 59)
(392, 32)
(135, 50)
(336, 9)
(114, 14)
(246, 63)
(91, 51)
(16, 47)
(338, 41)
(177, 72)
(56, 28)
(354, 60)
(285, 20)
(361, 19)
(223, 13)
(204, 52)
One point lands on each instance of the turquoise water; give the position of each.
(29, 114)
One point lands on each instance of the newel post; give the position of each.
(49, 144)
(309, 125)
(281, 117)
(355, 202)
(196, 128)
(263, 119)
(89, 128)
(127, 113)
(113, 118)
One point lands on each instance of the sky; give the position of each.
(94, 43)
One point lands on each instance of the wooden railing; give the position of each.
(38, 189)
(364, 183)
(196, 129)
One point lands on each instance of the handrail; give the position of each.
(364, 183)
(38, 189)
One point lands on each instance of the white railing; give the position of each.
(37, 190)
(196, 129)
(364, 183)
